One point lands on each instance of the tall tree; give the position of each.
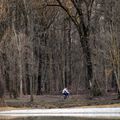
(80, 12)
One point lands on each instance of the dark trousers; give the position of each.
(65, 95)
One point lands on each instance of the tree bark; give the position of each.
(90, 83)
(88, 60)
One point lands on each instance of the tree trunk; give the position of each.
(39, 74)
(69, 55)
(84, 40)
(88, 61)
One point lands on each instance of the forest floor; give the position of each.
(57, 101)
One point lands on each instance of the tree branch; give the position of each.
(78, 9)
(54, 5)
(52, 20)
(67, 11)
(90, 7)
(86, 3)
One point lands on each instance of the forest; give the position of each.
(47, 45)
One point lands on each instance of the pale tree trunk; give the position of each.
(115, 56)
(19, 47)
(30, 31)
(69, 56)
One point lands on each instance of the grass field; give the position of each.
(57, 101)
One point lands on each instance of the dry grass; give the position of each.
(6, 108)
(54, 101)
(103, 106)
(11, 108)
(53, 106)
(8, 118)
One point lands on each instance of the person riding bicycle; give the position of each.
(65, 92)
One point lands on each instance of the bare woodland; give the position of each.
(46, 45)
